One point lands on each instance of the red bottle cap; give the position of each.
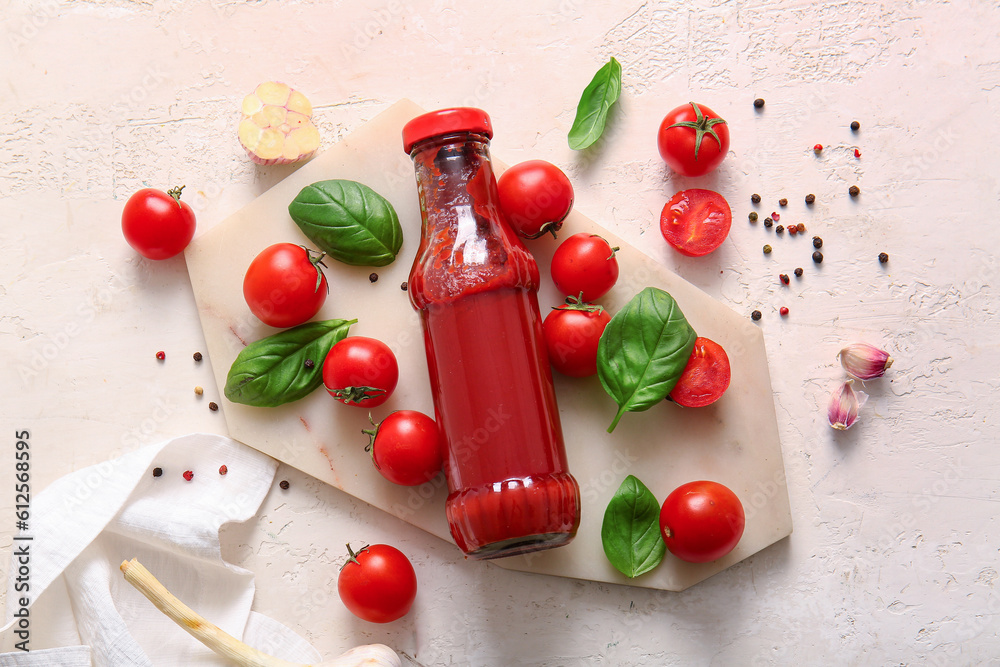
(446, 121)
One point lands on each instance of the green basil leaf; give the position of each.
(592, 112)
(272, 371)
(631, 529)
(643, 351)
(348, 221)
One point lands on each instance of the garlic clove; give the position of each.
(845, 404)
(864, 361)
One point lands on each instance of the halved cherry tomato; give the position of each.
(585, 263)
(706, 376)
(696, 222)
(572, 332)
(702, 521)
(360, 371)
(535, 196)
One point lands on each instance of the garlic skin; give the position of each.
(864, 361)
(845, 404)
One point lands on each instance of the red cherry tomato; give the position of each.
(693, 139)
(405, 447)
(585, 263)
(378, 583)
(284, 285)
(701, 521)
(706, 376)
(157, 224)
(696, 222)
(535, 197)
(360, 371)
(572, 332)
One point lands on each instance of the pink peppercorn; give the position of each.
(188, 475)
(161, 355)
(223, 470)
(783, 311)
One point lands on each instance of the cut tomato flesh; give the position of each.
(696, 222)
(706, 376)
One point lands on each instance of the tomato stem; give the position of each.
(577, 303)
(316, 259)
(356, 395)
(372, 433)
(176, 193)
(353, 557)
(701, 127)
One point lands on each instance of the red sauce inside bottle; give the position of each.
(475, 285)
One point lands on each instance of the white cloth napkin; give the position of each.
(85, 524)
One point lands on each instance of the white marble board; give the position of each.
(735, 441)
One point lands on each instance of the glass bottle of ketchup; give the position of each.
(475, 286)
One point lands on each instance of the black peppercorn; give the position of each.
(818, 257)
(810, 198)
(283, 484)
(157, 472)
(883, 258)
(779, 229)
(309, 363)
(373, 277)
(213, 406)
(817, 242)
(197, 356)
(755, 315)
(758, 103)
(768, 222)
(782, 202)
(854, 191)
(753, 216)
(755, 198)
(767, 249)
(798, 272)
(402, 286)
(855, 125)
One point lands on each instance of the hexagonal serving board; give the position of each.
(735, 441)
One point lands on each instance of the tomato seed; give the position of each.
(755, 315)
(197, 356)
(373, 277)
(213, 406)
(758, 103)
(818, 257)
(753, 216)
(223, 470)
(810, 198)
(855, 125)
(854, 191)
(798, 272)
(188, 475)
(402, 286)
(309, 363)
(767, 249)
(783, 311)
(782, 202)
(784, 278)
(768, 222)
(817, 242)
(883, 258)
(801, 228)
(755, 198)
(161, 355)
(157, 472)
(284, 484)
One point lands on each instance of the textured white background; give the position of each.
(895, 551)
